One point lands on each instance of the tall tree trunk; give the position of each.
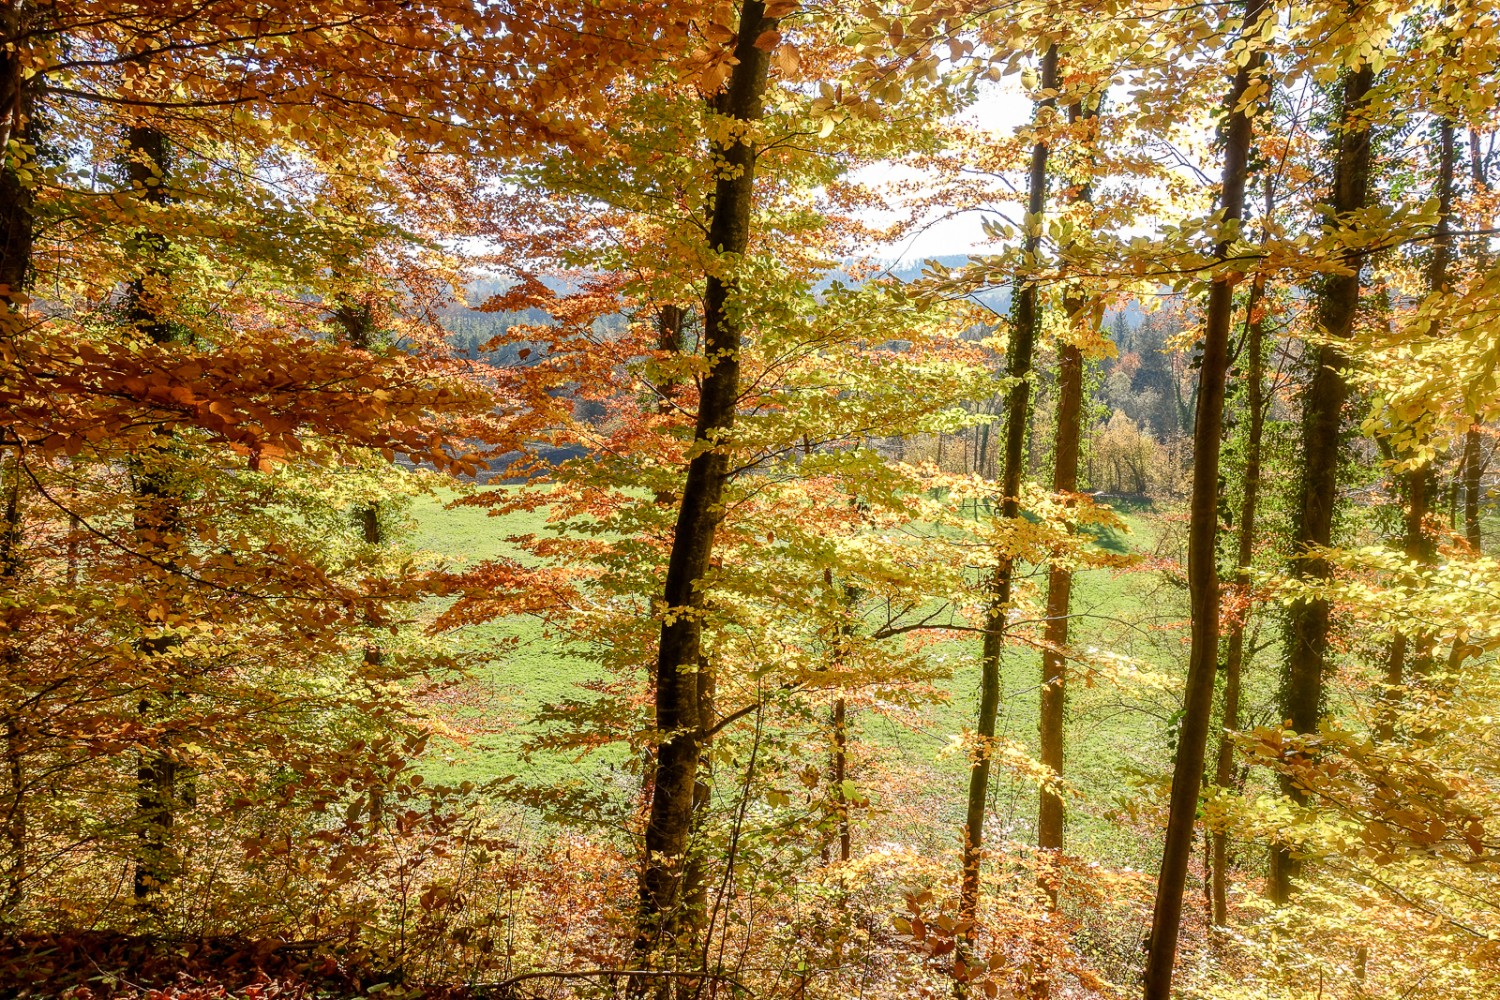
(1051, 718)
(840, 775)
(1203, 526)
(1322, 410)
(1018, 367)
(839, 717)
(695, 870)
(982, 465)
(1473, 487)
(156, 519)
(679, 657)
(669, 338)
(1050, 814)
(1473, 470)
(1416, 546)
(17, 121)
(357, 322)
(1234, 659)
(16, 870)
(17, 235)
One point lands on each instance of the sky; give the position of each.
(1002, 108)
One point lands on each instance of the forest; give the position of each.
(749, 499)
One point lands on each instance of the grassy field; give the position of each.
(1116, 731)
(519, 669)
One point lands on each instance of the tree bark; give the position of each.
(679, 656)
(1473, 470)
(1018, 367)
(1416, 546)
(357, 321)
(695, 871)
(669, 338)
(1322, 408)
(1050, 812)
(1255, 335)
(11, 567)
(1473, 488)
(17, 235)
(1203, 526)
(840, 774)
(157, 517)
(17, 121)
(1051, 815)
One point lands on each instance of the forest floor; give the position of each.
(1116, 726)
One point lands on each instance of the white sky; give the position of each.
(1001, 109)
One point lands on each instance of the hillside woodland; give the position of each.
(493, 505)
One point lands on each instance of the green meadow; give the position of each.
(1117, 724)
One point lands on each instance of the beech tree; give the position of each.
(1203, 574)
(1322, 429)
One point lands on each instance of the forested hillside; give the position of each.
(493, 504)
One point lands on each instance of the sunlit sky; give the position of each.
(1002, 108)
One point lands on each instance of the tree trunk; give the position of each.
(1050, 809)
(1255, 335)
(1472, 489)
(678, 661)
(695, 871)
(1309, 620)
(840, 774)
(17, 235)
(1059, 595)
(982, 465)
(157, 517)
(669, 324)
(1018, 367)
(10, 660)
(1203, 526)
(1416, 546)
(1473, 471)
(357, 322)
(1322, 409)
(838, 764)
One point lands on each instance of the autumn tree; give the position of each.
(1203, 579)
(1322, 422)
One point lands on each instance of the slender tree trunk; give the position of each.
(1050, 813)
(669, 330)
(841, 774)
(983, 465)
(1051, 723)
(695, 871)
(10, 660)
(1322, 411)
(17, 121)
(1420, 483)
(669, 324)
(839, 720)
(357, 321)
(1203, 526)
(1018, 367)
(1473, 487)
(1473, 470)
(678, 663)
(17, 235)
(157, 520)
(1255, 335)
